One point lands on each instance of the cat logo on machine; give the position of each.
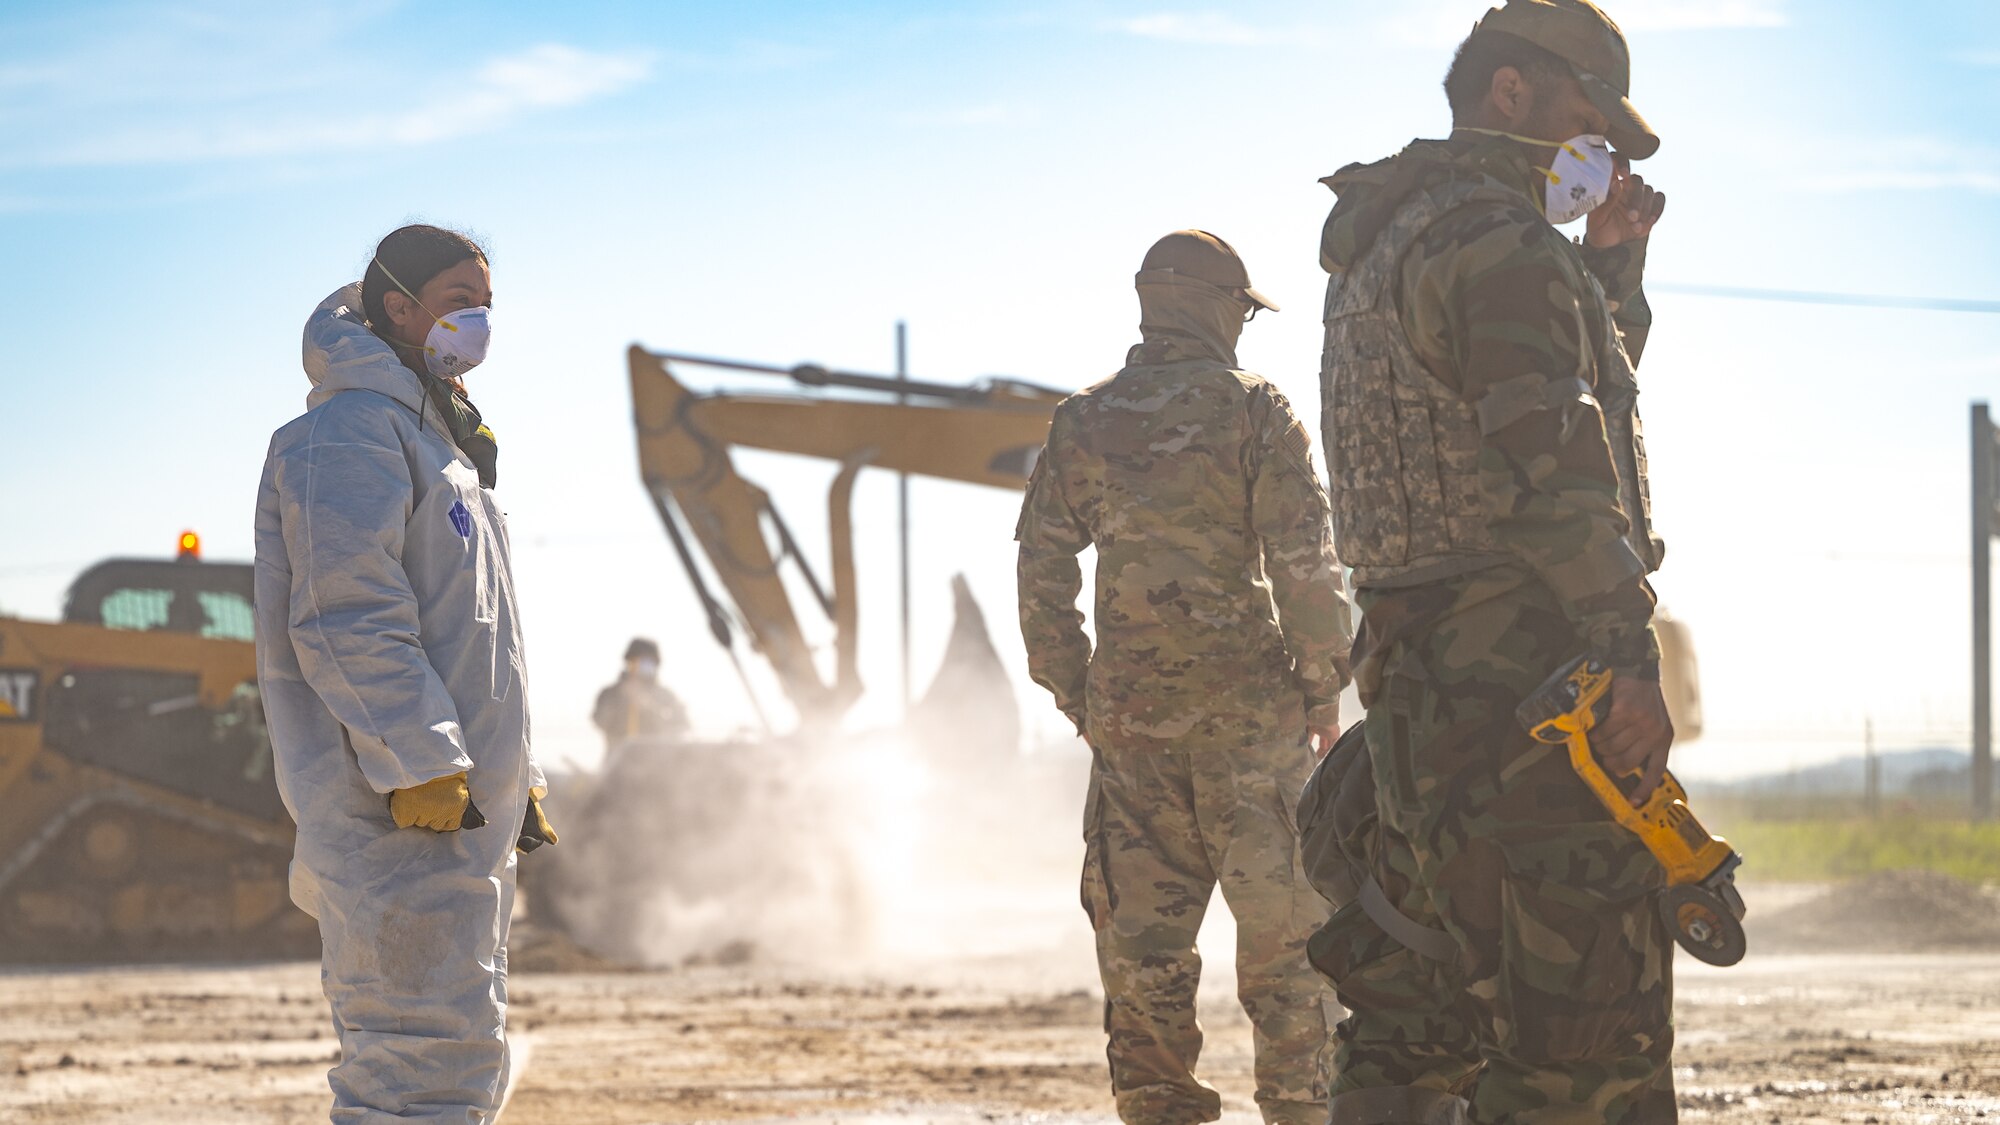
(17, 694)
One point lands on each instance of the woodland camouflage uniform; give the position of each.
(1525, 539)
(1222, 631)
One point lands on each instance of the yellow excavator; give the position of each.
(684, 848)
(143, 820)
(986, 433)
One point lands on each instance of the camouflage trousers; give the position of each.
(1161, 830)
(1558, 1006)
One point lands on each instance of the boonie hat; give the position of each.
(642, 649)
(1595, 49)
(1204, 257)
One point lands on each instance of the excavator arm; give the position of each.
(987, 434)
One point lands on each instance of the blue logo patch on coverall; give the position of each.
(461, 519)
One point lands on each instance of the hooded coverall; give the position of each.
(389, 654)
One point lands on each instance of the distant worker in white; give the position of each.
(389, 656)
(637, 704)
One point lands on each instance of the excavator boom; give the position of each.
(988, 433)
(982, 434)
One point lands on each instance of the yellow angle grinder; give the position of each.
(1699, 905)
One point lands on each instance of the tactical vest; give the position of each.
(1402, 446)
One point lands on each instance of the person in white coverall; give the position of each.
(389, 657)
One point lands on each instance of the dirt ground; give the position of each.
(1795, 1038)
(871, 949)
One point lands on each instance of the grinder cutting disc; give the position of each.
(1703, 923)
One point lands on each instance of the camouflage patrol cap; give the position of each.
(1204, 257)
(1595, 49)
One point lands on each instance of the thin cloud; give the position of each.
(557, 75)
(502, 90)
(1205, 28)
(1986, 182)
(193, 55)
(1433, 23)
(1701, 15)
(1908, 164)
(202, 182)
(756, 56)
(969, 117)
(18, 76)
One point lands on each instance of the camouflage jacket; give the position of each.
(1220, 617)
(1489, 296)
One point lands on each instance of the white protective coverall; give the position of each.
(389, 653)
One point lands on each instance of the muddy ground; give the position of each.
(1795, 1038)
(874, 946)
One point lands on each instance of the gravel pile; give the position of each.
(1888, 912)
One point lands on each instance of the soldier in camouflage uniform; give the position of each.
(1222, 637)
(1489, 487)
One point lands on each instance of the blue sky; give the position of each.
(181, 182)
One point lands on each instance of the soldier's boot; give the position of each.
(1293, 1113)
(1169, 1105)
(1398, 1105)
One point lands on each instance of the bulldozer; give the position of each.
(143, 819)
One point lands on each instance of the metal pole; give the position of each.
(1871, 800)
(903, 512)
(1982, 626)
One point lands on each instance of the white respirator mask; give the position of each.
(457, 340)
(1579, 177)
(648, 668)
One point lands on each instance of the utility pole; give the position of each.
(1871, 783)
(903, 512)
(1984, 524)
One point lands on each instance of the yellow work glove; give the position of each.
(535, 829)
(438, 804)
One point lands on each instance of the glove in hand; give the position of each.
(535, 828)
(438, 804)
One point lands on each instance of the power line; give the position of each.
(1808, 297)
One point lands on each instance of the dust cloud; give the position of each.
(845, 852)
(938, 841)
